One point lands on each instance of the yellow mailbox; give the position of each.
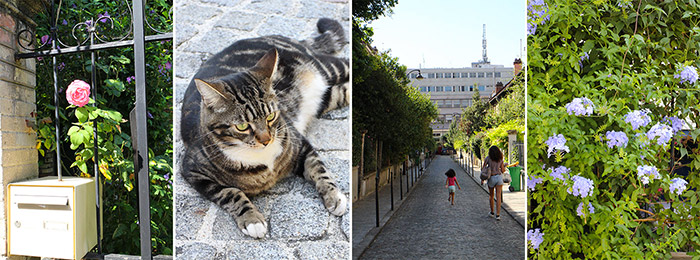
(51, 218)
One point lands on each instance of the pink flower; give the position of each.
(78, 93)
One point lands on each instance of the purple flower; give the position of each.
(676, 123)
(677, 186)
(688, 74)
(624, 4)
(647, 173)
(582, 187)
(39, 58)
(45, 39)
(129, 79)
(532, 182)
(149, 115)
(558, 173)
(167, 176)
(88, 23)
(662, 131)
(580, 106)
(103, 17)
(61, 66)
(537, 10)
(618, 139)
(556, 143)
(535, 237)
(579, 209)
(168, 65)
(64, 22)
(638, 118)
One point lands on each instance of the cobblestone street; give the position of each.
(426, 226)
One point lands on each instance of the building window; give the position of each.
(413, 75)
(431, 75)
(438, 75)
(448, 75)
(471, 88)
(497, 74)
(439, 89)
(472, 74)
(465, 75)
(448, 88)
(482, 88)
(489, 74)
(423, 89)
(480, 75)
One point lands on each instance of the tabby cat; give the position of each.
(245, 113)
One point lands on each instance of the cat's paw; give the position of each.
(253, 224)
(335, 202)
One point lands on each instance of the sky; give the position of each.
(448, 33)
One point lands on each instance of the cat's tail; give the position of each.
(332, 37)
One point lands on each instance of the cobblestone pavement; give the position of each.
(299, 225)
(428, 227)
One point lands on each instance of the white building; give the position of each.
(451, 89)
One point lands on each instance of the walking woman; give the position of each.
(495, 181)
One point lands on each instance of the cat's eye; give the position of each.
(242, 127)
(271, 117)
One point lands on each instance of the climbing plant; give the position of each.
(613, 111)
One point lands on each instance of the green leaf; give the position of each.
(82, 114)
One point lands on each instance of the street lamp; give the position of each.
(419, 77)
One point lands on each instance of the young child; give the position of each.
(450, 185)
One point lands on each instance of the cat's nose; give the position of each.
(263, 138)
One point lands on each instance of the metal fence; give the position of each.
(87, 37)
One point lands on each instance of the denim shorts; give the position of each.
(495, 180)
(451, 188)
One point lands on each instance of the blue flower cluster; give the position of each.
(538, 11)
(558, 173)
(583, 187)
(535, 237)
(687, 74)
(532, 182)
(581, 213)
(676, 123)
(662, 131)
(580, 106)
(557, 142)
(638, 118)
(618, 139)
(677, 186)
(647, 173)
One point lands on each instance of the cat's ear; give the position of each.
(210, 92)
(267, 65)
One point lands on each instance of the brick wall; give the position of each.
(18, 154)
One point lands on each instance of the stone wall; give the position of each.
(18, 154)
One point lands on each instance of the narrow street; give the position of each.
(426, 226)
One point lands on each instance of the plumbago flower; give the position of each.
(535, 237)
(582, 187)
(558, 173)
(677, 186)
(581, 213)
(532, 182)
(537, 9)
(638, 118)
(647, 173)
(618, 139)
(557, 142)
(662, 131)
(676, 123)
(642, 141)
(687, 74)
(580, 106)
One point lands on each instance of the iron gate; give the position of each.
(91, 42)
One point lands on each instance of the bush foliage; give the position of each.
(623, 56)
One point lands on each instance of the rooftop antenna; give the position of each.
(483, 44)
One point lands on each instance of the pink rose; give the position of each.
(78, 93)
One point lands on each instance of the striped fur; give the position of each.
(244, 115)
